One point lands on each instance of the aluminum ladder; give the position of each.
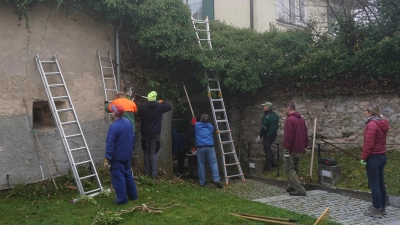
(109, 82)
(223, 130)
(68, 126)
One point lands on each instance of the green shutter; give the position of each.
(208, 9)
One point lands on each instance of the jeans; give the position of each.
(269, 155)
(123, 181)
(375, 167)
(291, 166)
(151, 146)
(202, 154)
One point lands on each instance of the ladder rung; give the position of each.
(223, 131)
(51, 61)
(76, 149)
(219, 110)
(232, 164)
(107, 67)
(88, 192)
(60, 97)
(56, 85)
(69, 122)
(222, 121)
(216, 100)
(210, 79)
(64, 110)
(107, 78)
(215, 89)
(228, 153)
(226, 142)
(51, 73)
(204, 39)
(111, 90)
(199, 21)
(73, 135)
(79, 163)
(202, 30)
(237, 175)
(85, 177)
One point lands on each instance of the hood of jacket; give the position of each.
(382, 124)
(295, 114)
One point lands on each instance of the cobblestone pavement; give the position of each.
(343, 209)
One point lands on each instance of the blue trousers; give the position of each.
(375, 167)
(123, 181)
(208, 153)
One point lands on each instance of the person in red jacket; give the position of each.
(295, 140)
(374, 157)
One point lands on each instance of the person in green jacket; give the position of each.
(268, 131)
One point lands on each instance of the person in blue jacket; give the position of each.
(119, 149)
(205, 150)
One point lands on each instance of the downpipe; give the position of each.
(117, 60)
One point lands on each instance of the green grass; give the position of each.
(353, 175)
(30, 204)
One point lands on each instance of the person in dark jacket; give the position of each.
(119, 150)
(268, 132)
(205, 150)
(295, 140)
(374, 157)
(178, 152)
(151, 113)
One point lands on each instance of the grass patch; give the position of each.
(353, 174)
(32, 204)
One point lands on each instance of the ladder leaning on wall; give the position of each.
(109, 81)
(223, 130)
(69, 128)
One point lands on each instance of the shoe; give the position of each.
(295, 193)
(372, 212)
(383, 211)
(218, 184)
(290, 189)
(203, 184)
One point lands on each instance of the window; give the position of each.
(201, 8)
(42, 116)
(291, 11)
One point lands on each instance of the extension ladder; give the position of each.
(223, 130)
(109, 82)
(68, 126)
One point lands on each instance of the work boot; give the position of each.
(204, 184)
(383, 211)
(218, 184)
(290, 189)
(372, 212)
(295, 193)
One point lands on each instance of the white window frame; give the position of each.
(197, 11)
(291, 11)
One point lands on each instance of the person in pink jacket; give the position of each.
(374, 157)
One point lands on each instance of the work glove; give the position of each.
(258, 139)
(160, 101)
(363, 162)
(106, 164)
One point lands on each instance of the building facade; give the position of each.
(259, 15)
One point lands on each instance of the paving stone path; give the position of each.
(344, 210)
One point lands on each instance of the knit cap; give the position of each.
(152, 96)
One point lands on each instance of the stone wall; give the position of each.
(340, 119)
(74, 42)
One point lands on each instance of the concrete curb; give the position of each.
(392, 200)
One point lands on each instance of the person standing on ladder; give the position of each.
(268, 132)
(151, 113)
(120, 143)
(205, 149)
(129, 108)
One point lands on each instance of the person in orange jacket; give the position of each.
(129, 107)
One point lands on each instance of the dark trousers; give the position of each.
(269, 155)
(181, 156)
(375, 167)
(123, 181)
(151, 146)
